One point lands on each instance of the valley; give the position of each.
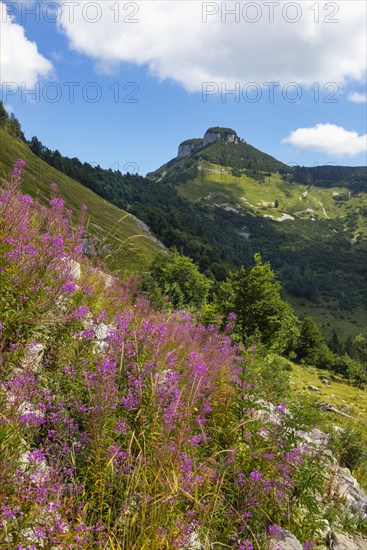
(219, 202)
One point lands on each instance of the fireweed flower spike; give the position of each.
(275, 530)
(18, 167)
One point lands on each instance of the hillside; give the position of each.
(221, 200)
(297, 217)
(125, 427)
(120, 235)
(254, 181)
(219, 146)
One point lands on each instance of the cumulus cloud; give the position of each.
(358, 97)
(19, 57)
(193, 42)
(328, 138)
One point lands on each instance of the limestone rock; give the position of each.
(107, 279)
(33, 357)
(211, 136)
(344, 486)
(186, 148)
(315, 437)
(194, 542)
(286, 541)
(270, 413)
(338, 541)
(101, 331)
(71, 267)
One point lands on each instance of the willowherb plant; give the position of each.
(122, 426)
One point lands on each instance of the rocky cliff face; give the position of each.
(186, 148)
(211, 136)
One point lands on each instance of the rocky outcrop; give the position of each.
(315, 437)
(346, 488)
(212, 135)
(285, 541)
(148, 231)
(343, 486)
(337, 541)
(186, 148)
(33, 357)
(333, 541)
(267, 412)
(194, 542)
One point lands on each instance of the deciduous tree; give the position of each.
(253, 294)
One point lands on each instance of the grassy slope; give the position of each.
(216, 185)
(341, 395)
(110, 224)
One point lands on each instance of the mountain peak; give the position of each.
(212, 135)
(216, 133)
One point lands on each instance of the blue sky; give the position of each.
(171, 70)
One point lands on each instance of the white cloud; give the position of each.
(172, 40)
(19, 57)
(358, 97)
(328, 138)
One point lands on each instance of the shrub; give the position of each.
(253, 295)
(311, 347)
(350, 368)
(274, 376)
(179, 278)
